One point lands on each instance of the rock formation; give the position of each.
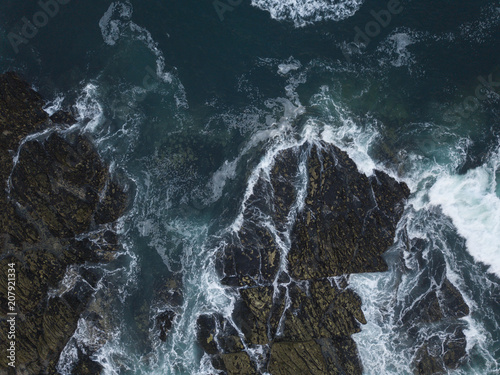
(59, 203)
(296, 313)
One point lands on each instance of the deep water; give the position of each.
(189, 105)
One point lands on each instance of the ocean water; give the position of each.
(189, 102)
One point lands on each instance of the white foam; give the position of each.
(305, 12)
(378, 348)
(112, 28)
(89, 110)
(54, 105)
(285, 68)
(394, 49)
(219, 178)
(116, 23)
(471, 202)
(343, 131)
(401, 41)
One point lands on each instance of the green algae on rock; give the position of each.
(55, 189)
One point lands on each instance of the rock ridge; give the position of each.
(59, 205)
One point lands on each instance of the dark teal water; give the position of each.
(189, 108)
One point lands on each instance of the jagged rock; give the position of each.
(453, 303)
(322, 311)
(427, 364)
(86, 366)
(427, 309)
(236, 363)
(253, 314)
(63, 117)
(51, 195)
(349, 220)
(216, 334)
(439, 353)
(206, 332)
(288, 358)
(454, 349)
(342, 354)
(60, 181)
(21, 113)
(304, 319)
(252, 259)
(440, 302)
(164, 321)
(283, 174)
(323, 356)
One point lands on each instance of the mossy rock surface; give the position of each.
(51, 195)
(349, 220)
(291, 311)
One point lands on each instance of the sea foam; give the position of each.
(472, 203)
(305, 12)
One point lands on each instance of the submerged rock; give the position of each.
(52, 194)
(164, 321)
(426, 363)
(441, 354)
(454, 349)
(430, 314)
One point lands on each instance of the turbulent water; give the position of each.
(190, 102)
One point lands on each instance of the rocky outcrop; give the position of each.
(442, 301)
(59, 203)
(290, 262)
(349, 219)
(430, 313)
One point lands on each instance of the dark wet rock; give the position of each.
(453, 303)
(289, 358)
(206, 332)
(428, 364)
(441, 352)
(91, 275)
(236, 363)
(427, 309)
(63, 117)
(283, 176)
(321, 311)
(21, 113)
(252, 258)
(216, 334)
(49, 197)
(454, 349)
(168, 292)
(349, 220)
(86, 366)
(253, 314)
(60, 181)
(301, 320)
(342, 355)
(323, 356)
(444, 301)
(164, 321)
(110, 207)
